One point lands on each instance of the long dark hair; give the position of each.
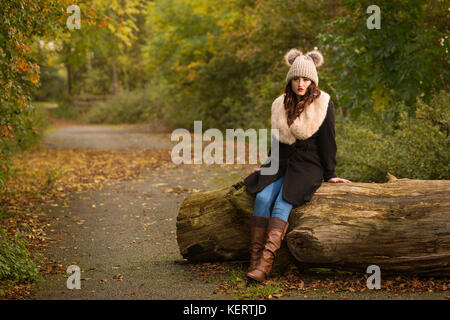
(294, 105)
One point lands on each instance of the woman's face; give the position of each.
(300, 85)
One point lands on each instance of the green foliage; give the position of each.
(6, 214)
(16, 264)
(423, 141)
(371, 70)
(66, 110)
(222, 62)
(20, 23)
(124, 107)
(104, 55)
(359, 156)
(419, 148)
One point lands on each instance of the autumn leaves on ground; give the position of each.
(106, 198)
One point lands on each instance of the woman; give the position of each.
(304, 116)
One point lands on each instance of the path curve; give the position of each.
(124, 236)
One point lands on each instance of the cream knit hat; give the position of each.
(303, 65)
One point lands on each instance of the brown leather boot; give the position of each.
(276, 231)
(258, 228)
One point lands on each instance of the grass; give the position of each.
(16, 265)
(6, 214)
(52, 174)
(239, 287)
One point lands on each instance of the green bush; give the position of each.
(66, 110)
(417, 147)
(124, 107)
(371, 69)
(421, 145)
(359, 155)
(15, 262)
(34, 125)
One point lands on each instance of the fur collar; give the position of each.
(304, 126)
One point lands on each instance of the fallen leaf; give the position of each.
(118, 277)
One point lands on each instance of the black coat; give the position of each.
(305, 162)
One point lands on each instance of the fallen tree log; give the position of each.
(401, 225)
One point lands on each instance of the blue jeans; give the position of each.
(265, 198)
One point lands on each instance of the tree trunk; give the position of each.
(402, 226)
(69, 79)
(115, 85)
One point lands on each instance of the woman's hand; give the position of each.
(339, 180)
(256, 169)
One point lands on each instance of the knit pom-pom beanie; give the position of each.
(303, 65)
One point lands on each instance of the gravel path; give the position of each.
(107, 137)
(124, 236)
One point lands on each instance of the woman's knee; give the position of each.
(263, 198)
(281, 208)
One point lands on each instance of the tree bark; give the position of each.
(402, 226)
(69, 79)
